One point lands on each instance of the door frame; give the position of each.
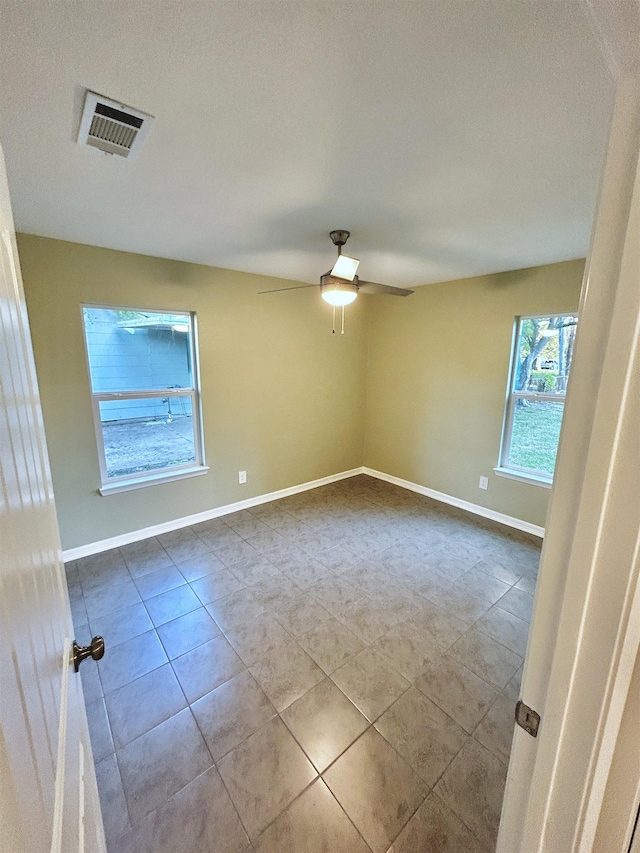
(580, 669)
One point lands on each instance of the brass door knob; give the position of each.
(94, 650)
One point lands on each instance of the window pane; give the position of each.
(136, 350)
(146, 434)
(545, 350)
(535, 434)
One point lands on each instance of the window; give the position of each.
(144, 383)
(540, 364)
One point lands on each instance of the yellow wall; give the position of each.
(282, 397)
(437, 376)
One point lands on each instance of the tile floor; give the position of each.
(335, 671)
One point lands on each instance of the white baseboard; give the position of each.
(476, 509)
(187, 520)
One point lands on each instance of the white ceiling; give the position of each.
(452, 138)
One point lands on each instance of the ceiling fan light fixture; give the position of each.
(345, 267)
(339, 293)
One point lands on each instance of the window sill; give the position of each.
(532, 479)
(151, 480)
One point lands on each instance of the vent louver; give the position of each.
(112, 127)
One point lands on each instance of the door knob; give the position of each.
(94, 650)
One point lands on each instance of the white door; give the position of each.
(48, 792)
(561, 795)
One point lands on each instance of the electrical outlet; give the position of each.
(484, 483)
(242, 477)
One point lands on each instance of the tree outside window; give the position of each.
(541, 362)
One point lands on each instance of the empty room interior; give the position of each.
(303, 284)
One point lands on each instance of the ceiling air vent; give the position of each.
(112, 127)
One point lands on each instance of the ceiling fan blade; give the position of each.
(280, 289)
(373, 287)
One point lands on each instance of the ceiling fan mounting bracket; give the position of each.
(339, 237)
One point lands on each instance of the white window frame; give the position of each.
(127, 482)
(504, 468)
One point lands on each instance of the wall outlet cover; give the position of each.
(484, 483)
(242, 477)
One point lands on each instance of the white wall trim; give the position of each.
(187, 520)
(476, 509)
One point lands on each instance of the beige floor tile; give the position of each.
(473, 787)
(99, 730)
(207, 667)
(158, 582)
(377, 788)
(236, 609)
(102, 571)
(252, 570)
(409, 651)
(497, 568)
(105, 600)
(512, 690)
(143, 704)
(217, 584)
(459, 602)
(232, 553)
(315, 823)
(198, 819)
(422, 733)
(186, 549)
(115, 813)
(170, 605)
(347, 565)
(264, 774)
(518, 602)
(436, 829)
(257, 638)
(186, 632)
(299, 614)
(232, 712)
(145, 562)
(130, 660)
(527, 583)
(198, 567)
(286, 674)
(305, 571)
(325, 723)
(122, 625)
(335, 594)
(161, 762)
(265, 538)
(444, 627)
(487, 658)
(496, 729)
(464, 696)
(144, 546)
(368, 621)
(506, 629)
(331, 644)
(370, 682)
(482, 585)
(274, 589)
(220, 538)
(173, 537)
(91, 684)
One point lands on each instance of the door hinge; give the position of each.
(527, 718)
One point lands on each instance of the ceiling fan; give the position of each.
(341, 285)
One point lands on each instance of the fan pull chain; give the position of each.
(342, 332)
(334, 320)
